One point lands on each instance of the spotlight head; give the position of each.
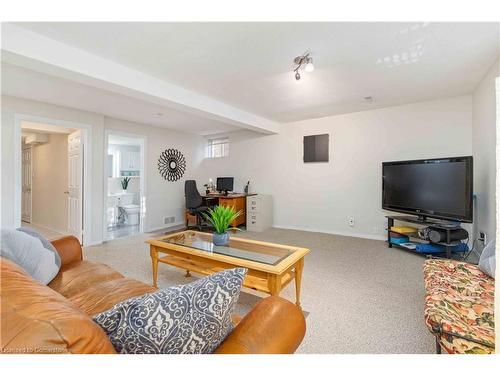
(309, 65)
(297, 76)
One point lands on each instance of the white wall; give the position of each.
(50, 181)
(321, 197)
(115, 186)
(12, 106)
(162, 198)
(484, 104)
(317, 197)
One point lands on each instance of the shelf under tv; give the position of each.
(447, 226)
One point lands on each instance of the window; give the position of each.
(218, 147)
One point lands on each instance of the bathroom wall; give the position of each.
(114, 183)
(115, 186)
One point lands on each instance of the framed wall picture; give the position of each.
(316, 148)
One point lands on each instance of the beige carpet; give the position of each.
(360, 296)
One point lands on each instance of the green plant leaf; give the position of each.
(221, 217)
(125, 182)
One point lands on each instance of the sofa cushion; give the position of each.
(487, 261)
(76, 277)
(465, 323)
(36, 319)
(193, 318)
(449, 276)
(105, 295)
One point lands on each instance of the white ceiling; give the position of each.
(248, 65)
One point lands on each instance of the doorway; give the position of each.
(124, 185)
(51, 193)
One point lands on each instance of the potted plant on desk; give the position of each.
(221, 218)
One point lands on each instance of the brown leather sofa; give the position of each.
(57, 318)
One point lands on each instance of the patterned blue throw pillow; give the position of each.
(186, 319)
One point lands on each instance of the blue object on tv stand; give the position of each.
(398, 240)
(431, 248)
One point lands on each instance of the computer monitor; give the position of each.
(225, 184)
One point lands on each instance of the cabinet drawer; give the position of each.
(237, 204)
(253, 204)
(255, 222)
(254, 218)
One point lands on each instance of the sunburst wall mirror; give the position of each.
(171, 164)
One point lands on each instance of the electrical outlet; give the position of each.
(169, 220)
(482, 237)
(351, 221)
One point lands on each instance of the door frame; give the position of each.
(142, 183)
(30, 147)
(19, 118)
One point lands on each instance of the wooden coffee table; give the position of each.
(270, 266)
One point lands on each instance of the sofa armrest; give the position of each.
(274, 326)
(69, 249)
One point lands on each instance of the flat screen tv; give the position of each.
(437, 188)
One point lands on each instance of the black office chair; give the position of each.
(194, 203)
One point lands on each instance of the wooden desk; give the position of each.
(237, 201)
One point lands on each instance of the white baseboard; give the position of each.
(173, 226)
(95, 243)
(60, 231)
(378, 237)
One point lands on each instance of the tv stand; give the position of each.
(422, 220)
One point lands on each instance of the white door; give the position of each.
(26, 184)
(75, 188)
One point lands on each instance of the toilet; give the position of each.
(130, 210)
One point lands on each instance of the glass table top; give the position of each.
(238, 248)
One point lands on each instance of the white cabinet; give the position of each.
(259, 212)
(130, 161)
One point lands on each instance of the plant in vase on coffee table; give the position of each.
(221, 218)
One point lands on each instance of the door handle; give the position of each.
(66, 192)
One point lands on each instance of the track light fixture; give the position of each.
(305, 61)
